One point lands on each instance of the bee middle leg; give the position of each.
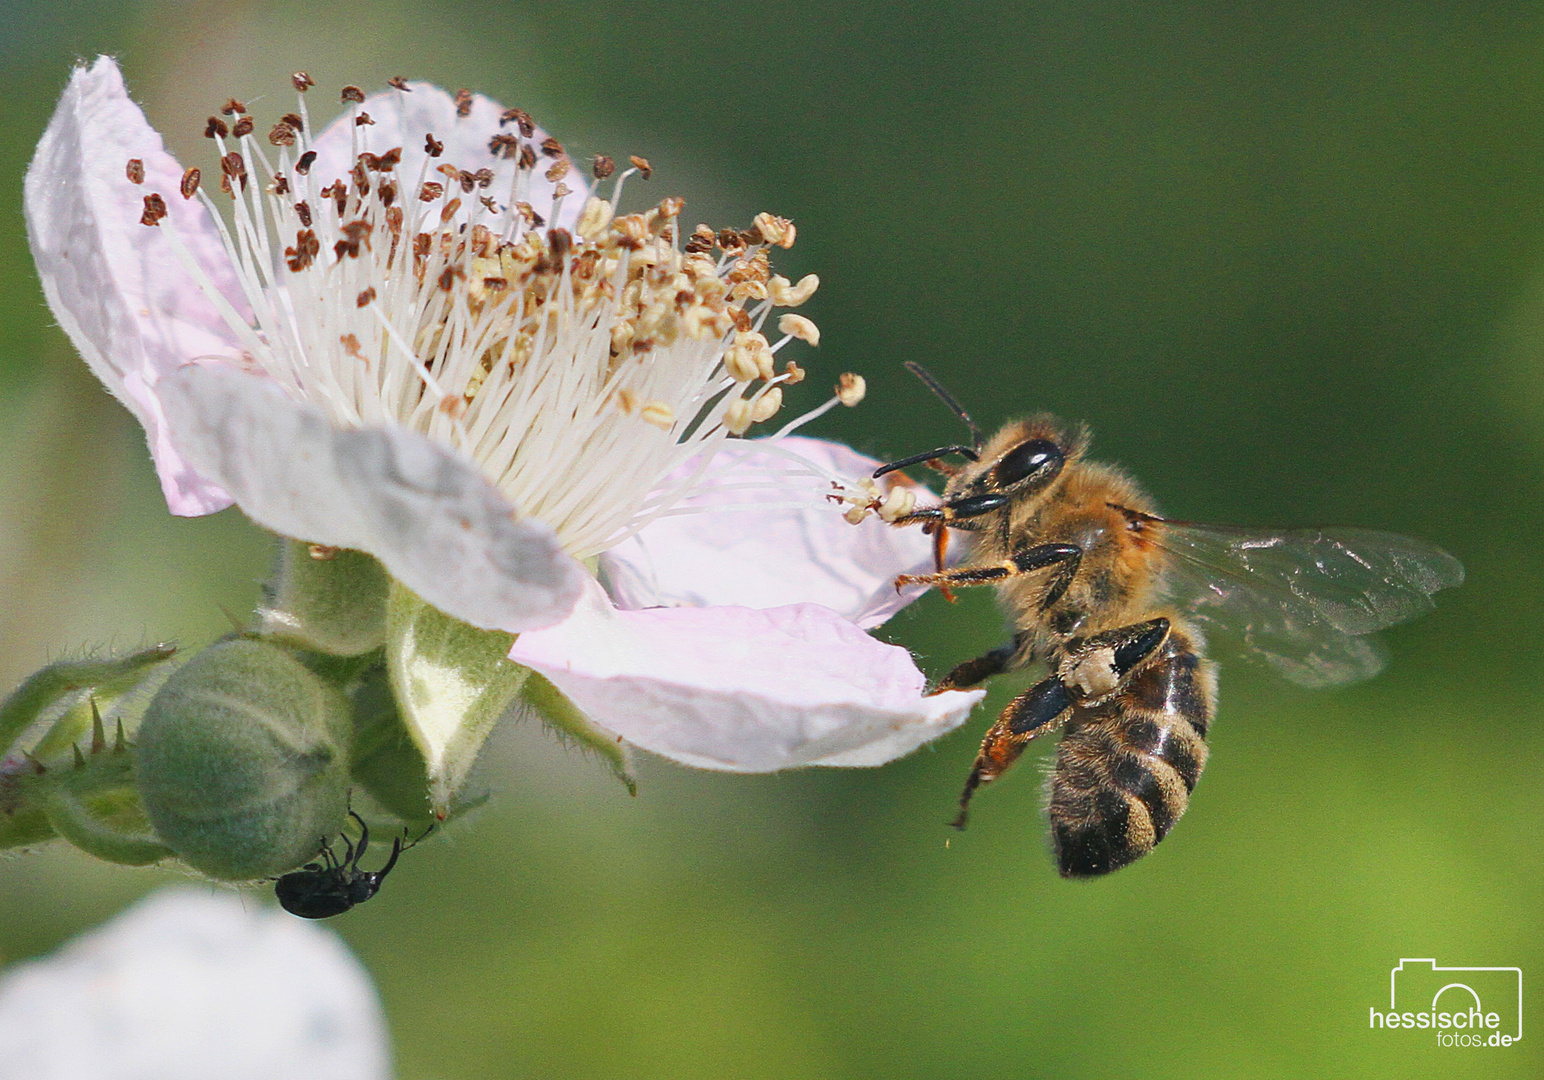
(1064, 558)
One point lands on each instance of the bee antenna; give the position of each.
(932, 383)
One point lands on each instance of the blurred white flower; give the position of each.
(194, 985)
(418, 335)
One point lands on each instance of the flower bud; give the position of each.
(242, 761)
(329, 600)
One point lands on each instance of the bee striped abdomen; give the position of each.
(1125, 768)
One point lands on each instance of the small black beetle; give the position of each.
(321, 890)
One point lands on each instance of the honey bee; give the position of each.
(1114, 600)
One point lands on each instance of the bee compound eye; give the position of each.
(1038, 459)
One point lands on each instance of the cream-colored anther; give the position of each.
(737, 418)
(800, 327)
(740, 363)
(856, 514)
(775, 230)
(659, 414)
(594, 218)
(898, 503)
(767, 405)
(850, 389)
(785, 295)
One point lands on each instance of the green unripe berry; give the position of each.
(242, 761)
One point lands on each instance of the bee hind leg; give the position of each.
(1036, 711)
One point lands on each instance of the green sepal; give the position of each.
(452, 684)
(561, 716)
(48, 687)
(96, 807)
(331, 601)
(386, 761)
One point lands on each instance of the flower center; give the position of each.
(578, 356)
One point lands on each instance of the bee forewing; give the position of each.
(1302, 599)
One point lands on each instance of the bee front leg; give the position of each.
(1064, 557)
(1040, 709)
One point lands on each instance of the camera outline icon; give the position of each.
(1454, 992)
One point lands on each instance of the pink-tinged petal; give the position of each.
(740, 690)
(129, 305)
(430, 517)
(401, 118)
(763, 558)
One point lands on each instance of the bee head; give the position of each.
(1026, 457)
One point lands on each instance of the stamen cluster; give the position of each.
(578, 356)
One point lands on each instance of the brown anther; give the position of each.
(430, 191)
(463, 102)
(190, 183)
(234, 167)
(243, 127)
(361, 178)
(448, 277)
(304, 253)
(135, 170)
(551, 147)
(496, 284)
(397, 82)
(303, 212)
(701, 241)
(303, 166)
(561, 190)
(394, 223)
(449, 210)
(521, 119)
(793, 373)
(468, 181)
(155, 210)
(345, 247)
(362, 119)
(354, 94)
(432, 146)
(390, 159)
(671, 207)
(281, 134)
(280, 185)
(558, 170)
(488, 204)
(561, 241)
(527, 156)
(293, 120)
(350, 345)
(216, 127)
(484, 177)
(422, 243)
(387, 192)
(730, 241)
(366, 298)
(602, 167)
(301, 81)
(358, 230)
(232, 107)
(449, 171)
(645, 170)
(504, 145)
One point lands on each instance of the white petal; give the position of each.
(768, 558)
(436, 524)
(739, 690)
(190, 984)
(403, 118)
(126, 302)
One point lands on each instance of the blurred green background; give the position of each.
(1289, 264)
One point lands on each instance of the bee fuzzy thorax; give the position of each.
(469, 284)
